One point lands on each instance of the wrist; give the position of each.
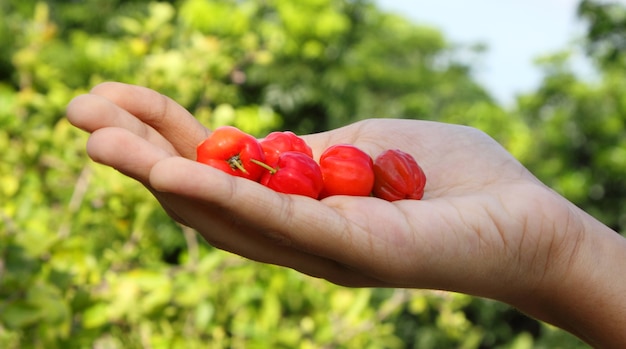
(584, 290)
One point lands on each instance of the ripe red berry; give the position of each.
(347, 170)
(294, 173)
(231, 150)
(398, 176)
(279, 142)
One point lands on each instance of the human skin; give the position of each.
(485, 227)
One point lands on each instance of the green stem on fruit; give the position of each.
(235, 163)
(264, 165)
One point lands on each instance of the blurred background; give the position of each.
(513, 33)
(88, 259)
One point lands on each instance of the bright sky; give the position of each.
(515, 32)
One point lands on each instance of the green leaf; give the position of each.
(96, 316)
(20, 314)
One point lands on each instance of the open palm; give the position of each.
(485, 226)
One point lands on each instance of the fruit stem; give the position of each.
(264, 165)
(235, 162)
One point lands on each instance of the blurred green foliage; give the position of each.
(89, 260)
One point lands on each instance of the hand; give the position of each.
(485, 227)
(483, 218)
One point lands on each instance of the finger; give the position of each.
(300, 222)
(92, 112)
(229, 232)
(163, 114)
(125, 151)
(250, 200)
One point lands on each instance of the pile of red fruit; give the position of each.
(284, 162)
